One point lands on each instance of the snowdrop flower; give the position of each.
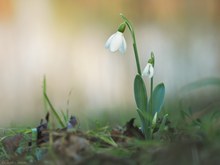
(148, 70)
(117, 41)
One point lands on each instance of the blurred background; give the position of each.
(64, 40)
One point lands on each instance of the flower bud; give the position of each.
(154, 121)
(151, 60)
(148, 70)
(122, 27)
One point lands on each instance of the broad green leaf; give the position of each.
(143, 118)
(158, 98)
(140, 93)
(145, 123)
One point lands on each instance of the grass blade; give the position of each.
(54, 111)
(47, 102)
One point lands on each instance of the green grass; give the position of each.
(190, 137)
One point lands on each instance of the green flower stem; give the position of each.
(151, 95)
(134, 43)
(151, 107)
(136, 56)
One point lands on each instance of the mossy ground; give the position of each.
(186, 141)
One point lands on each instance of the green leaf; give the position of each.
(158, 98)
(185, 115)
(103, 134)
(39, 153)
(140, 93)
(47, 102)
(143, 119)
(108, 140)
(141, 115)
(45, 91)
(62, 124)
(145, 123)
(65, 116)
(163, 123)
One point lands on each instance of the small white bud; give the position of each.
(148, 70)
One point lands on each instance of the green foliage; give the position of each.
(145, 123)
(158, 98)
(163, 123)
(146, 111)
(48, 102)
(103, 134)
(140, 93)
(65, 116)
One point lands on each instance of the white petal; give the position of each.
(108, 42)
(123, 46)
(151, 72)
(116, 42)
(148, 71)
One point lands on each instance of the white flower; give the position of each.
(148, 70)
(116, 42)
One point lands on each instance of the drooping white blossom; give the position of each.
(116, 42)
